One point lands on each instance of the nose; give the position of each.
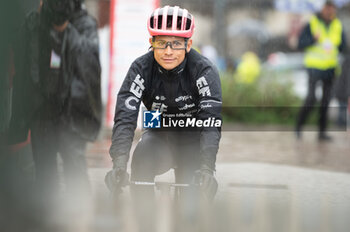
(168, 50)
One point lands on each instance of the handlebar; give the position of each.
(160, 184)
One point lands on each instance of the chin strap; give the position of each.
(186, 42)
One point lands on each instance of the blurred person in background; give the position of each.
(249, 68)
(321, 39)
(171, 78)
(56, 95)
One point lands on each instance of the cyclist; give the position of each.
(173, 79)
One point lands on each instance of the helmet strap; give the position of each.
(186, 42)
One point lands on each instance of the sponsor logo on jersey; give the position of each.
(203, 87)
(187, 106)
(183, 98)
(136, 88)
(159, 106)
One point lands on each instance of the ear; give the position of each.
(150, 42)
(189, 45)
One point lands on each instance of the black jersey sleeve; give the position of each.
(210, 102)
(126, 112)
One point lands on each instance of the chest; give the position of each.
(173, 96)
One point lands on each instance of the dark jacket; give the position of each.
(78, 102)
(192, 87)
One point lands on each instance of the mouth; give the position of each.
(167, 60)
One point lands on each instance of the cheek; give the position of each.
(181, 57)
(156, 56)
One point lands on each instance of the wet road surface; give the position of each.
(268, 181)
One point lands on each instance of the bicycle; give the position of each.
(180, 206)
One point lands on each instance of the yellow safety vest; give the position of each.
(324, 53)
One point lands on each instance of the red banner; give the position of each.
(128, 40)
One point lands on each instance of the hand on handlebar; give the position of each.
(118, 177)
(208, 184)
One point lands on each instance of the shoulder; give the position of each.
(315, 17)
(196, 58)
(337, 23)
(81, 19)
(197, 64)
(144, 62)
(32, 20)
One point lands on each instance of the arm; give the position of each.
(83, 28)
(343, 46)
(126, 113)
(210, 102)
(83, 41)
(125, 122)
(82, 54)
(306, 39)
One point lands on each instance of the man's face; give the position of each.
(169, 58)
(328, 13)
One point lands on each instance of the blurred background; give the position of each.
(253, 43)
